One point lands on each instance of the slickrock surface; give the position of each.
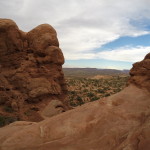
(30, 71)
(118, 122)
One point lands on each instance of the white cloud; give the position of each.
(127, 54)
(82, 25)
(101, 22)
(80, 55)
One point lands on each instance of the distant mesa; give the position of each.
(118, 122)
(90, 72)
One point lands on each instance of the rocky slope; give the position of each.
(30, 72)
(119, 122)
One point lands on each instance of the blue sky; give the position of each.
(92, 33)
(143, 40)
(98, 63)
(125, 43)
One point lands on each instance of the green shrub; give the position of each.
(72, 92)
(6, 120)
(8, 109)
(94, 98)
(90, 94)
(80, 101)
(101, 91)
(2, 121)
(107, 94)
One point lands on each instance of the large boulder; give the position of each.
(30, 71)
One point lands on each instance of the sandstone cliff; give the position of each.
(30, 71)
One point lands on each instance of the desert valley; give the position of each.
(87, 85)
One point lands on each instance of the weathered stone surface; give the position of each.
(140, 73)
(119, 122)
(53, 108)
(30, 70)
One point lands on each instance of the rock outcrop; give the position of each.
(30, 71)
(140, 73)
(118, 122)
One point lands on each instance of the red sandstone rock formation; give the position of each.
(140, 73)
(30, 71)
(118, 122)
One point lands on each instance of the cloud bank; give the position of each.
(126, 54)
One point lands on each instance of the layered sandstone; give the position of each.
(30, 71)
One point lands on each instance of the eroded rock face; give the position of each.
(140, 73)
(30, 70)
